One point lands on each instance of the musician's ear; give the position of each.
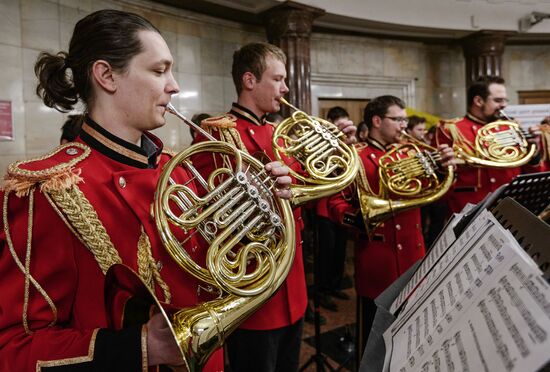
(478, 101)
(376, 121)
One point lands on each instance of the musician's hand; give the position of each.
(161, 344)
(282, 179)
(348, 128)
(447, 155)
(535, 133)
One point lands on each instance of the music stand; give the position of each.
(318, 358)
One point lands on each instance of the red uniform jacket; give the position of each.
(62, 300)
(288, 305)
(472, 184)
(393, 247)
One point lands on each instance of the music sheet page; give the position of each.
(438, 262)
(491, 313)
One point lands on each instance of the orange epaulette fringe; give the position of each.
(52, 172)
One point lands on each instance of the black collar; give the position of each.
(120, 150)
(245, 114)
(376, 144)
(475, 119)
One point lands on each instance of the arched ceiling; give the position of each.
(426, 20)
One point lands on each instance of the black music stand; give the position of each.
(531, 233)
(318, 358)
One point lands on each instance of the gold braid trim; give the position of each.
(85, 221)
(57, 177)
(545, 136)
(26, 268)
(147, 267)
(458, 139)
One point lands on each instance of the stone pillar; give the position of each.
(483, 54)
(288, 26)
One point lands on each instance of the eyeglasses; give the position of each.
(398, 119)
(499, 100)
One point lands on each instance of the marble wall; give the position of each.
(202, 47)
(526, 68)
(429, 77)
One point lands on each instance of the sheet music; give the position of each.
(439, 258)
(463, 272)
(500, 323)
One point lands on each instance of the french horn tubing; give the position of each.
(499, 144)
(408, 179)
(329, 164)
(251, 239)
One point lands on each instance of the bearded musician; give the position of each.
(395, 245)
(486, 99)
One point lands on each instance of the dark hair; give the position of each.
(480, 87)
(251, 58)
(110, 35)
(336, 113)
(414, 120)
(71, 128)
(379, 107)
(197, 119)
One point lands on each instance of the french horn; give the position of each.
(408, 179)
(251, 237)
(329, 164)
(499, 144)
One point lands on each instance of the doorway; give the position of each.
(353, 106)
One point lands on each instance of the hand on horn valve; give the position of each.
(161, 344)
(347, 127)
(447, 156)
(279, 172)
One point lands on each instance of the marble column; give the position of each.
(483, 54)
(288, 26)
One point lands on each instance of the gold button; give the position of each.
(122, 182)
(398, 227)
(418, 226)
(252, 131)
(419, 245)
(399, 246)
(372, 156)
(71, 151)
(492, 180)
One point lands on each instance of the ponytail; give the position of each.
(55, 86)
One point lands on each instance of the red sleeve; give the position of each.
(441, 136)
(343, 208)
(63, 345)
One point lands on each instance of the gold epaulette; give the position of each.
(167, 151)
(221, 122)
(51, 172)
(360, 146)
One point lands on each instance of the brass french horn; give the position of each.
(251, 239)
(330, 165)
(499, 144)
(408, 179)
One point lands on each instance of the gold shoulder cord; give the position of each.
(83, 220)
(458, 139)
(26, 268)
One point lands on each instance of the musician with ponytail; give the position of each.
(70, 215)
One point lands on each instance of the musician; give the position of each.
(486, 98)
(69, 215)
(270, 339)
(397, 243)
(416, 127)
(332, 241)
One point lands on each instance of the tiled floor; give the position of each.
(345, 315)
